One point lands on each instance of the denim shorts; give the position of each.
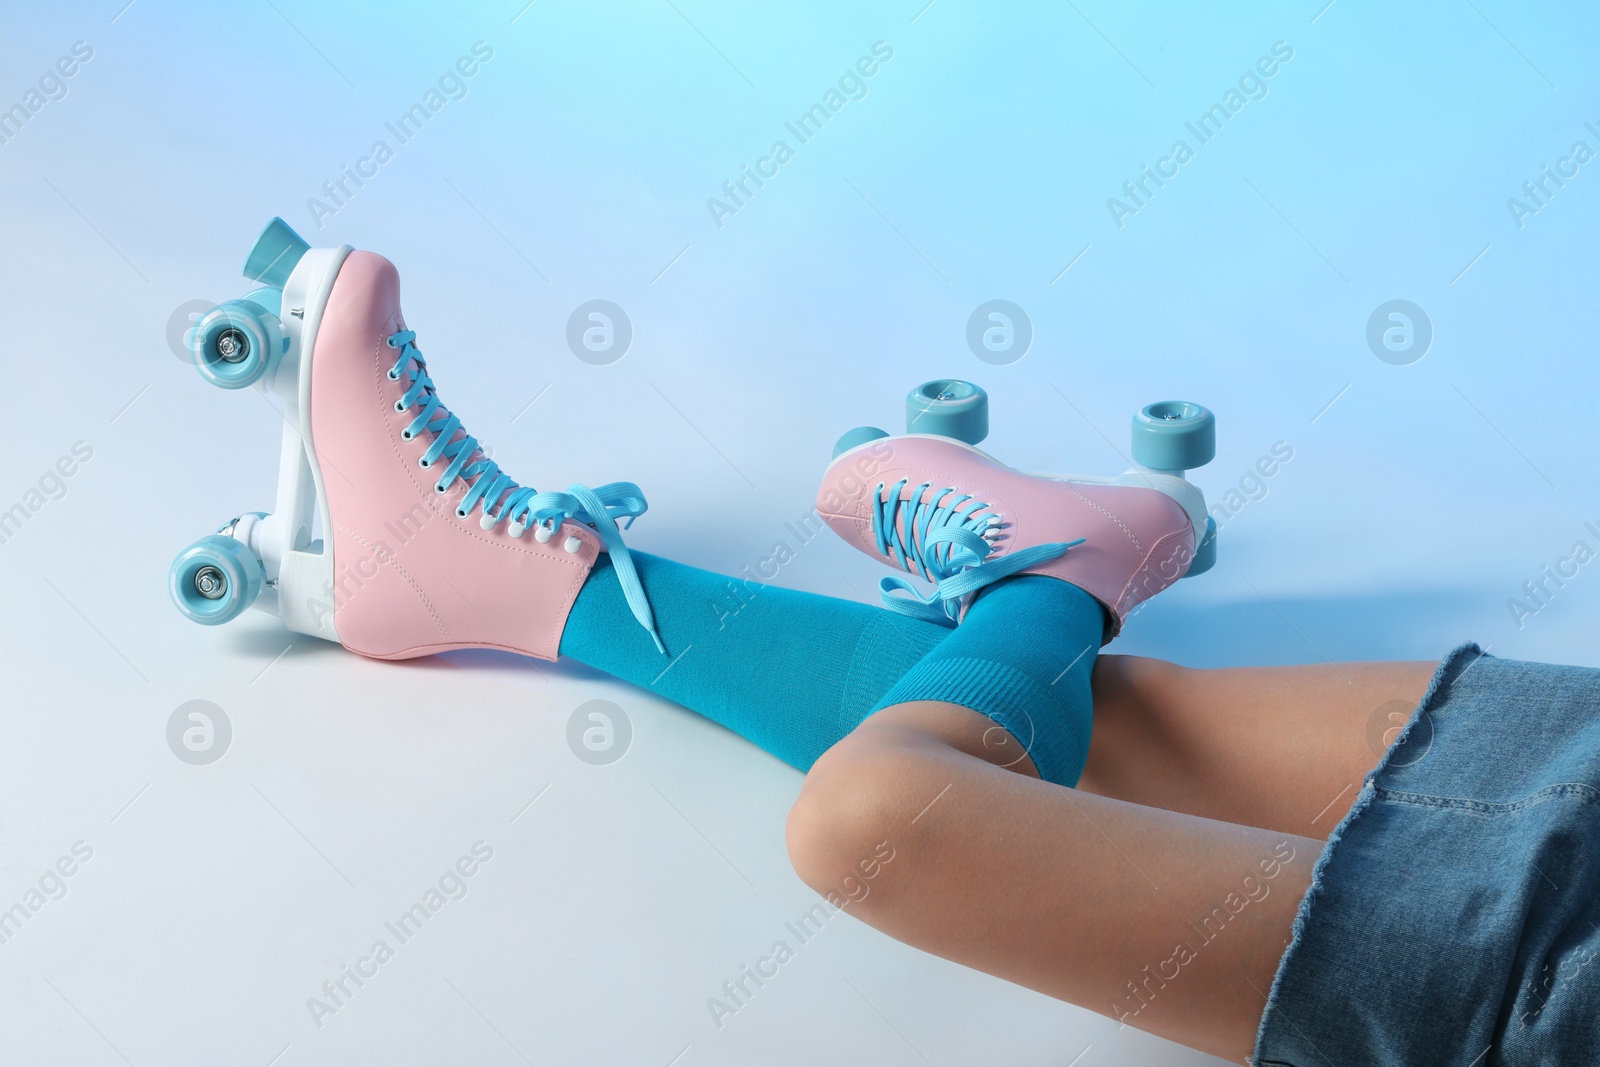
(1454, 916)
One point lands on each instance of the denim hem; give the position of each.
(1442, 675)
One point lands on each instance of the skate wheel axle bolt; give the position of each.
(211, 583)
(233, 346)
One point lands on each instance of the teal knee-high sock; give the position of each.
(1023, 656)
(792, 672)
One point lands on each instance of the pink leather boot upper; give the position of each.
(1137, 542)
(410, 577)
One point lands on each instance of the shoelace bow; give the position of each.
(944, 536)
(498, 496)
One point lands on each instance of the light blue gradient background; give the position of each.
(977, 167)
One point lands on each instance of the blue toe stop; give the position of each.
(276, 252)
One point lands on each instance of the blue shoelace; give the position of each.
(499, 497)
(945, 539)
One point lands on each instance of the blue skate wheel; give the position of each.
(1205, 555)
(235, 344)
(215, 579)
(858, 436)
(276, 252)
(947, 407)
(1174, 435)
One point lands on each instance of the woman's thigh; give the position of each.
(1285, 748)
(1170, 922)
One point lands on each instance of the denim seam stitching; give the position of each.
(1488, 807)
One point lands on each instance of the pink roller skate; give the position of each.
(426, 543)
(931, 504)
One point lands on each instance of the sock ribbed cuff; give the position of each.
(1005, 695)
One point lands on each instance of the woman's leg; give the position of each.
(1284, 748)
(795, 672)
(920, 824)
(791, 672)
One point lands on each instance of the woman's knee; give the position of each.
(853, 804)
